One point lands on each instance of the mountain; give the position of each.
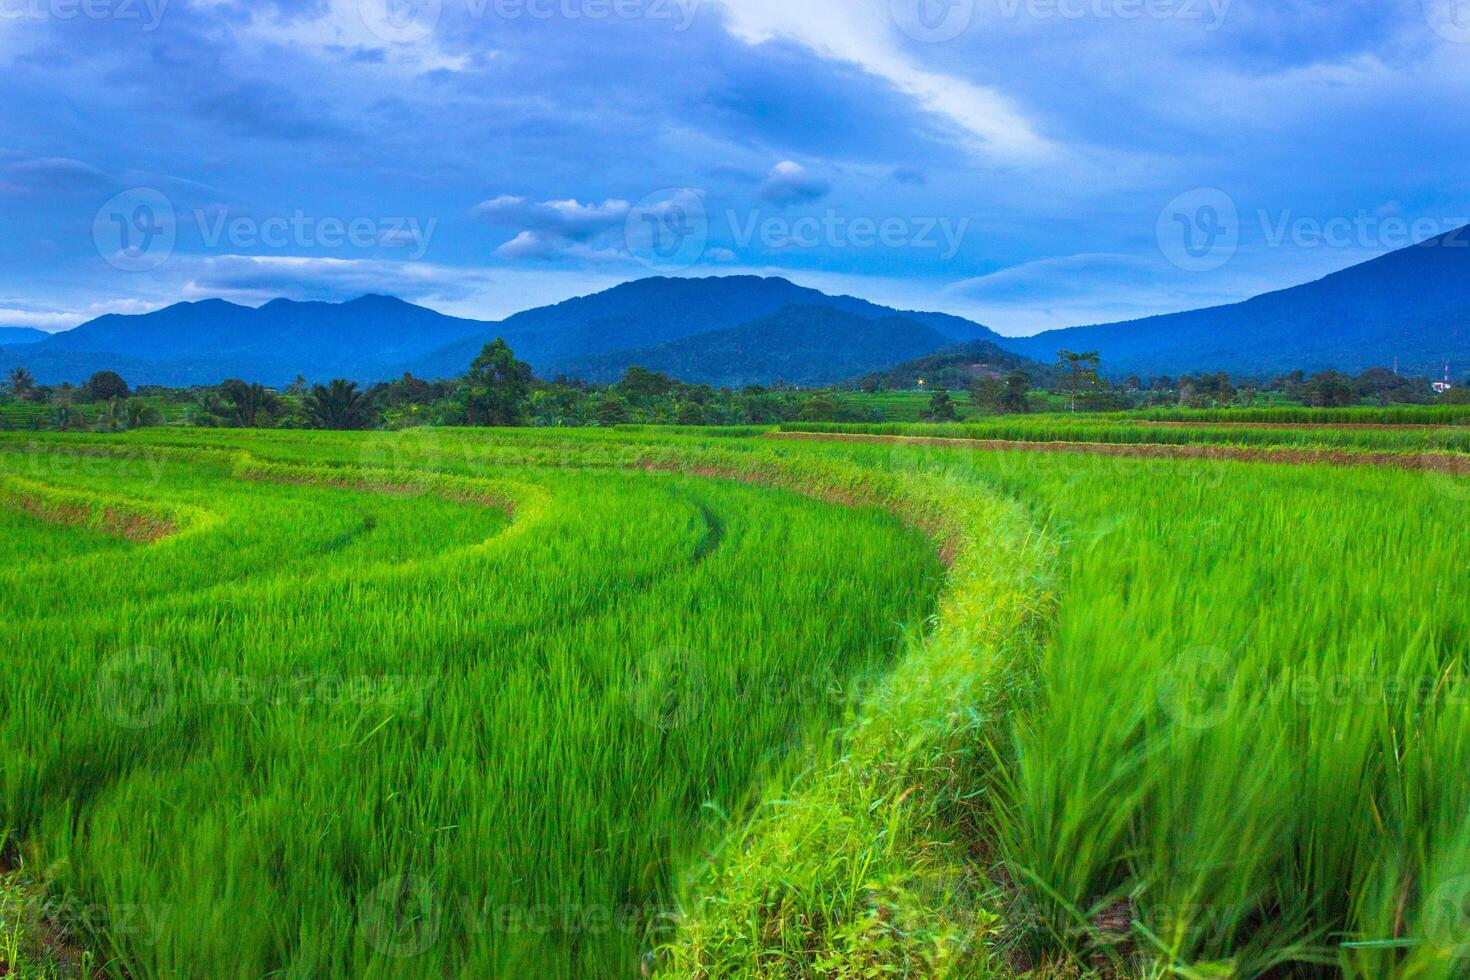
(21, 335)
(802, 345)
(377, 337)
(1412, 304)
(369, 338)
(956, 368)
(647, 313)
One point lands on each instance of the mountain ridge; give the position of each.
(1412, 304)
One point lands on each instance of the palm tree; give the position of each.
(338, 406)
(1074, 363)
(22, 383)
(140, 414)
(252, 404)
(208, 407)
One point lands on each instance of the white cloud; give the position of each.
(790, 183)
(863, 33)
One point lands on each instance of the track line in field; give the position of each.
(1430, 462)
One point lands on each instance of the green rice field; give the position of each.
(689, 704)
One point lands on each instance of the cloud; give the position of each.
(57, 320)
(547, 246)
(569, 220)
(790, 183)
(1065, 277)
(861, 32)
(911, 176)
(58, 174)
(260, 278)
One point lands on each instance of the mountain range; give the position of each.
(1412, 305)
(21, 335)
(732, 330)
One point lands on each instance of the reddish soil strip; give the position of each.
(132, 525)
(1457, 465)
(1370, 426)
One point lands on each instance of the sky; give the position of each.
(1028, 164)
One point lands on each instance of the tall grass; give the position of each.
(1126, 431)
(1173, 718)
(360, 725)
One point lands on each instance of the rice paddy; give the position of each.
(450, 703)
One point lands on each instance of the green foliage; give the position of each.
(355, 719)
(338, 405)
(941, 408)
(496, 387)
(1233, 747)
(104, 386)
(250, 406)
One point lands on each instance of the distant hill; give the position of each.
(201, 343)
(647, 313)
(802, 345)
(1412, 304)
(378, 337)
(956, 368)
(21, 335)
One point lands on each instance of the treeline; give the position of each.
(498, 390)
(1077, 384)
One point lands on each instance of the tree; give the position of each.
(820, 409)
(251, 405)
(498, 386)
(941, 408)
(639, 383)
(338, 405)
(1081, 369)
(22, 383)
(104, 386)
(611, 411)
(1456, 396)
(140, 414)
(1013, 400)
(691, 413)
(208, 410)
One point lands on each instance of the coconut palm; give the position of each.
(22, 383)
(252, 405)
(339, 405)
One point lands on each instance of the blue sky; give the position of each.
(1026, 163)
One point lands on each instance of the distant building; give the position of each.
(1440, 387)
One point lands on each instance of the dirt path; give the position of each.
(1457, 465)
